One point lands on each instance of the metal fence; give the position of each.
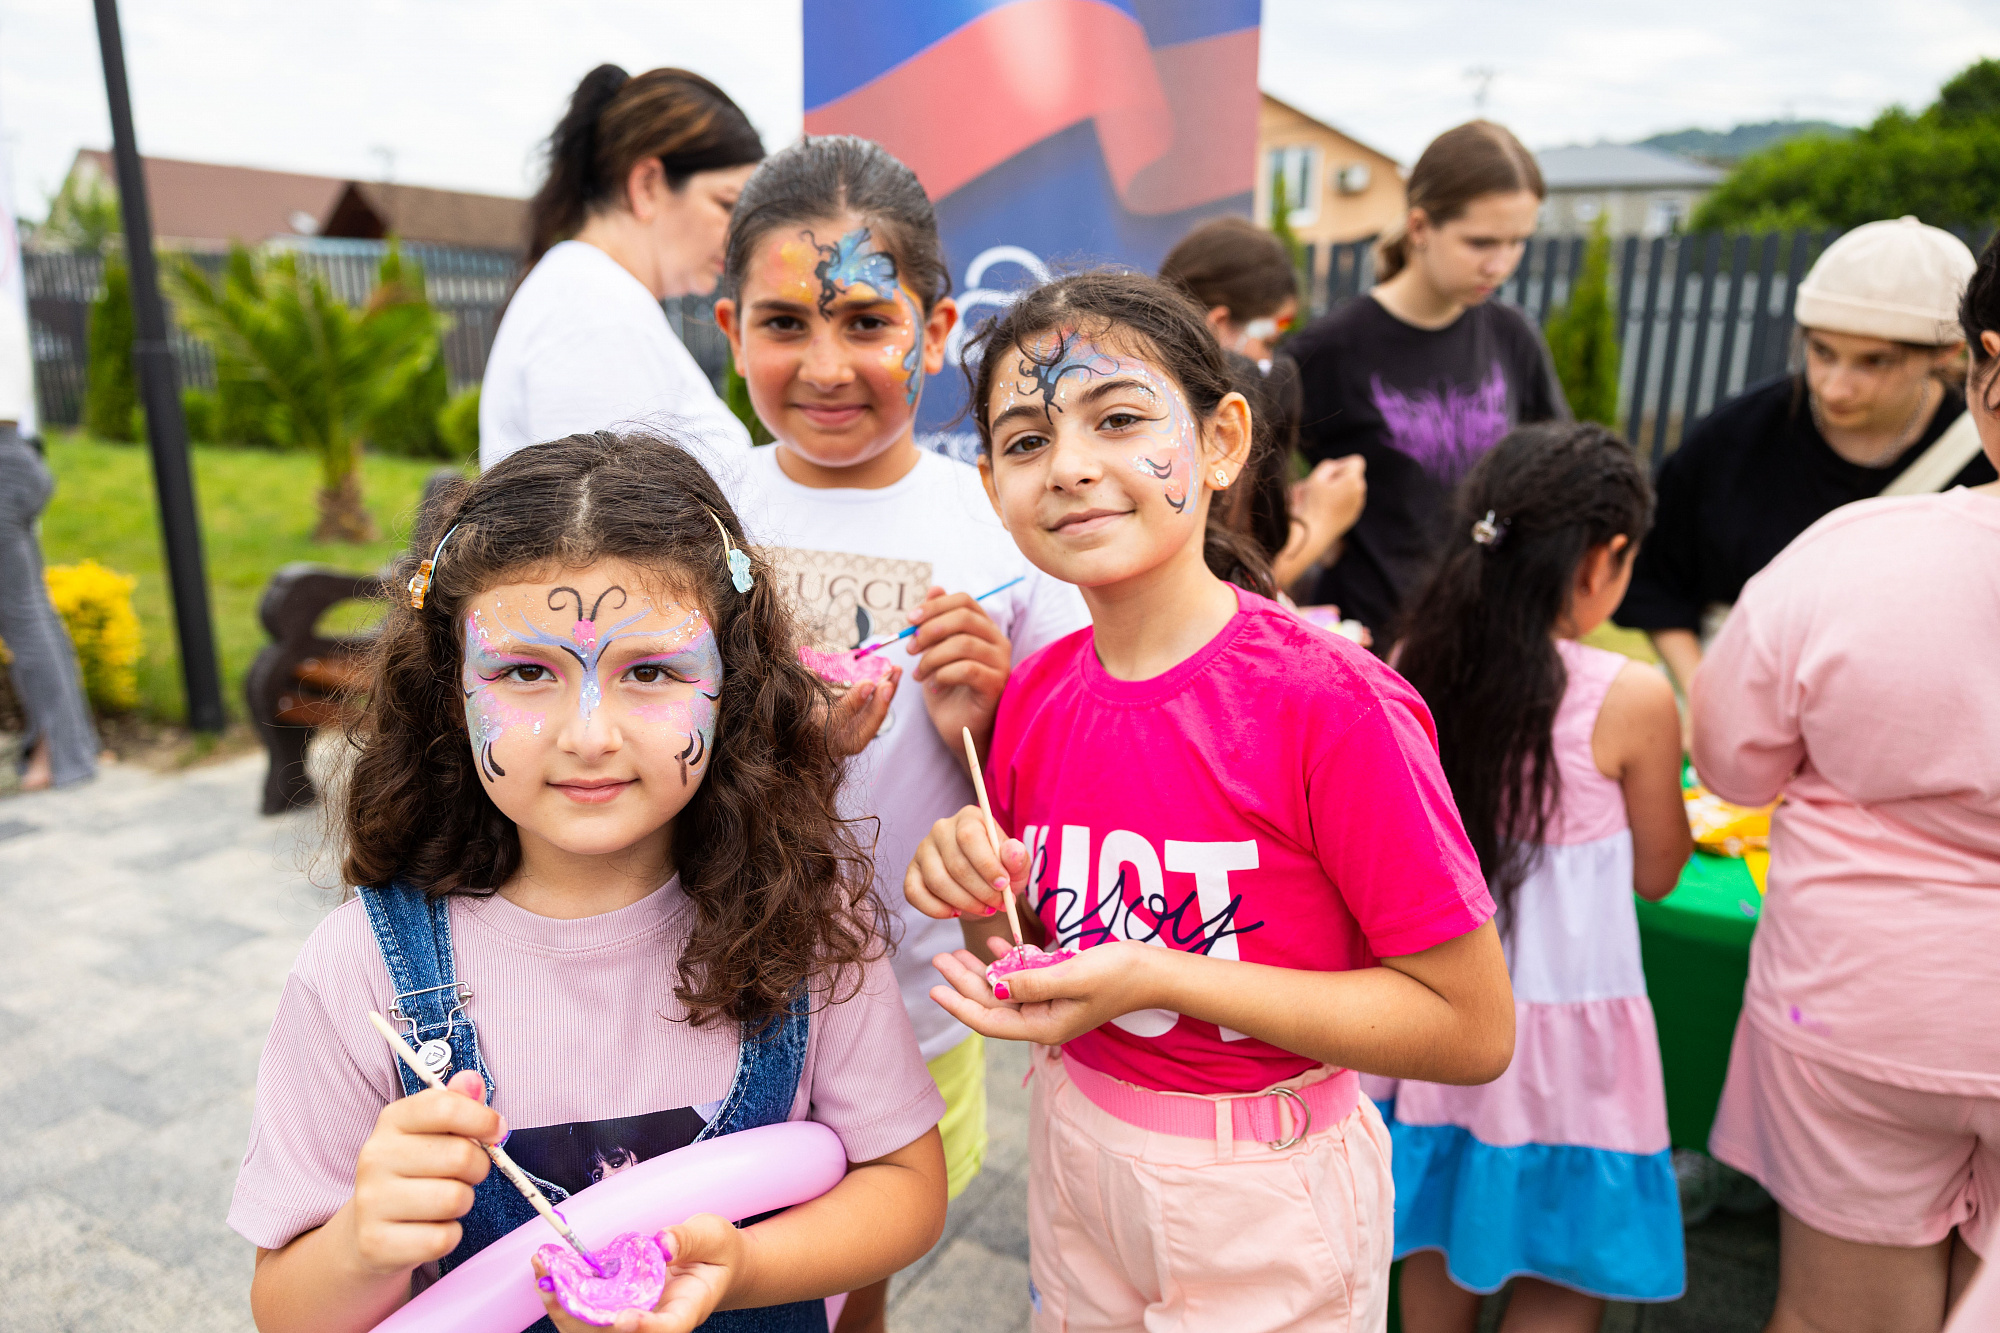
(1699, 316)
(468, 287)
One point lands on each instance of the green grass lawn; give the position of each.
(257, 514)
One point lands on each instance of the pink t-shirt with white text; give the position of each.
(1276, 798)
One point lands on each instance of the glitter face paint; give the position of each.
(854, 262)
(689, 654)
(1169, 443)
(487, 715)
(699, 664)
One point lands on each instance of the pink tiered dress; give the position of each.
(1559, 1169)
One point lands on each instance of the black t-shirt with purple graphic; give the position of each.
(1421, 406)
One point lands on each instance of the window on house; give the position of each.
(1298, 166)
(1665, 214)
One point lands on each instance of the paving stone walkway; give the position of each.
(147, 922)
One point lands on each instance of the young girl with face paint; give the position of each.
(834, 303)
(603, 881)
(1241, 824)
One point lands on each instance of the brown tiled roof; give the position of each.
(372, 210)
(206, 205)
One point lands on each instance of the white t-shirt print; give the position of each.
(859, 557)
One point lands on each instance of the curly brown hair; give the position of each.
(781, 889)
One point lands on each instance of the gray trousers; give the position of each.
(44, 668)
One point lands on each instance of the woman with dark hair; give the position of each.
(1424, 374)
(1874, 410)
(1855, 678)
(643, 172)
(1243, 279)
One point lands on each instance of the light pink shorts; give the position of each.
(1856, 1158)
(1134, 1230)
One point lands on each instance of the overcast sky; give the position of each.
(461, 91)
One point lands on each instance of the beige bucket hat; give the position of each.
(1897, 280)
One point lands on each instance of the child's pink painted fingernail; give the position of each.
(546, 1283)
(991, 910)
(1000, 992)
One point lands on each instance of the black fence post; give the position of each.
(1683, 259)
(1711, 245)
(159, 390)
(1655, 260)
(1739, 278)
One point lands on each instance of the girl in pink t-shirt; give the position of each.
(1240, 823)
(1556, 1178)
(603, 885)
(1857, 679)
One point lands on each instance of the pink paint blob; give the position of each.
(635, 1274)
(1022, 958)
(844, 669)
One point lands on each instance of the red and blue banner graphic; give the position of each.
(1047, 132)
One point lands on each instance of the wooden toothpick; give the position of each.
(515, 1175)
(992, 828)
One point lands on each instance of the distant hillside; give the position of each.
(1726, 147)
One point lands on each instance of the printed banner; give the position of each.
(1048, 133)
(17, 367)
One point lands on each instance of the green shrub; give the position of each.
(199, 409)
(246, 413)
(736, 395)
(1943, 165)
(406, 423)
(1583, 336)
(111, 388)
(329, 369)
(458, 424)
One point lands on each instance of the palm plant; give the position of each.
(329, 370)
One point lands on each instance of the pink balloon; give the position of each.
(737, 1175)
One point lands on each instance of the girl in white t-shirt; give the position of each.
(603, 878)
(642, 174)
(834, 301)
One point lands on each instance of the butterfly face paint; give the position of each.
(699, 664)
(488, 715)
(499, 668)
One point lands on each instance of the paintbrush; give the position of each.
(992, 826)
(515, 1175)
(990, 592)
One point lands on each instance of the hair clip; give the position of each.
(420, 582)
(1489, 530)
(739, 563)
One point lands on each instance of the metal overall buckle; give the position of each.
(436, 1053)
(1303, 1122)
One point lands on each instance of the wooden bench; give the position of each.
(303, 680)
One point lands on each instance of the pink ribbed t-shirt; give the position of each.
(579, 1026)
(1859, 676)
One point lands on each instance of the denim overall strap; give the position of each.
(769, 1065)
(413, 931)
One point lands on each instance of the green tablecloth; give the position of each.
(1696, 947)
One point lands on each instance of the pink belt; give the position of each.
(1277, 1117)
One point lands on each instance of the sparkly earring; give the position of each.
(1221, 478)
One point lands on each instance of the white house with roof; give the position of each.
(1641, 191)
